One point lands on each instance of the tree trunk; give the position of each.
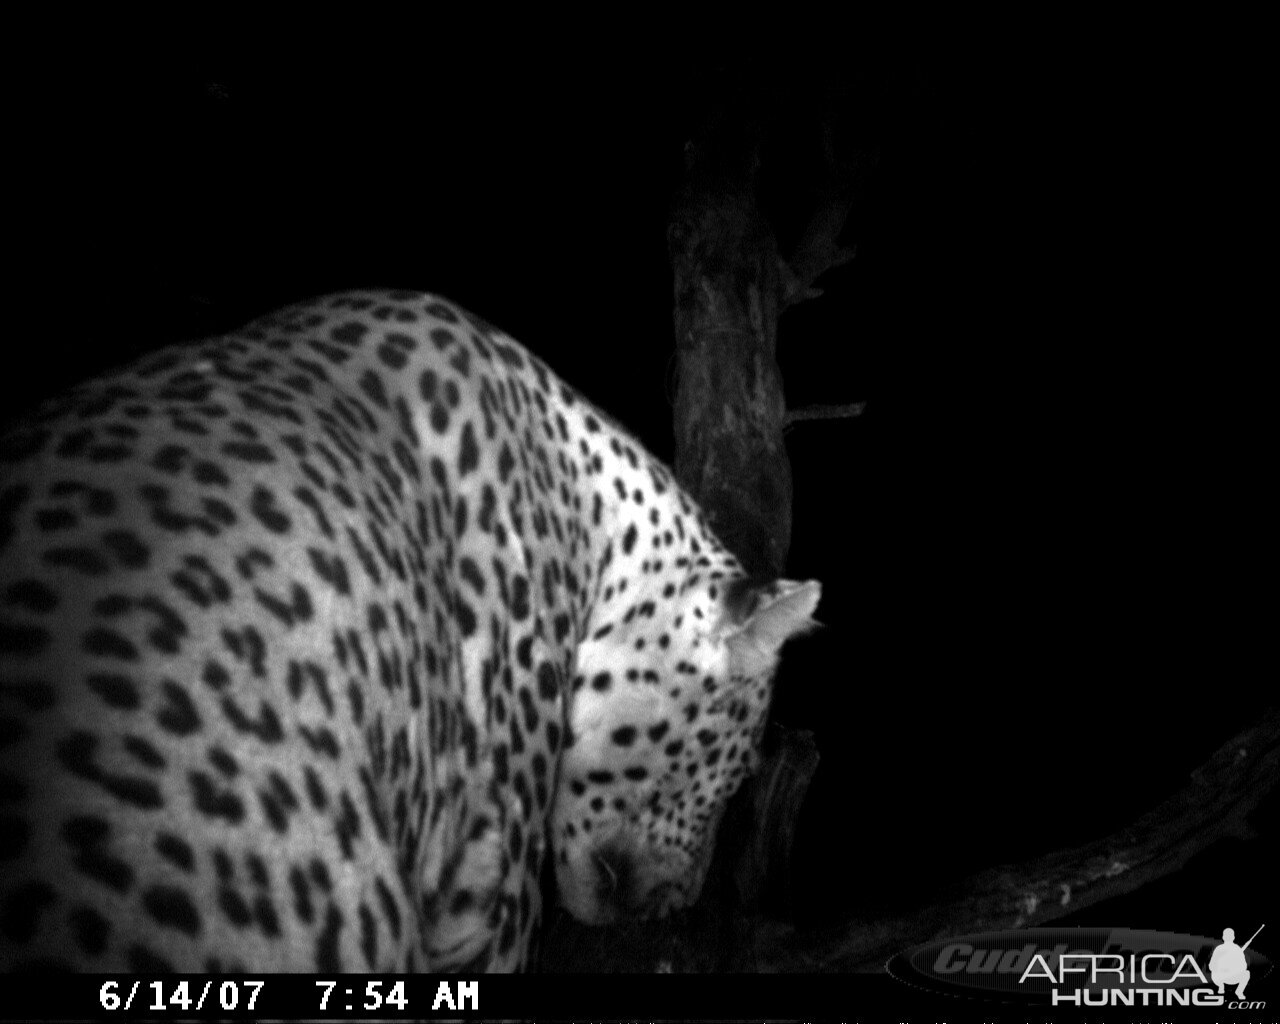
(729, 405)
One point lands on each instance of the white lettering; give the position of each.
(444, 997)
(468, 990)
(1100, 968)
(1044, 972)
(1195, 971)
(1155, 956)
(1065, 968)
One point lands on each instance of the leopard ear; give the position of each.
(761, 618)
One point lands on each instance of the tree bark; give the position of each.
(729, 404)
(730, 289)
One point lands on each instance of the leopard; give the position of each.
(330, 643)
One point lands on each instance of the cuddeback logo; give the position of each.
(1089, 967)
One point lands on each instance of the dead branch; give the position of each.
(817, 252)
(824, 412)
(819, 248)
(1215, 805)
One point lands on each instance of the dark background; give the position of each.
(1041, 545)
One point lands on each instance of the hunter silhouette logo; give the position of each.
(1227, 966)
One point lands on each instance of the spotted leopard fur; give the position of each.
(316, 637)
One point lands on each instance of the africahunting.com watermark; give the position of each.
(1090, 967)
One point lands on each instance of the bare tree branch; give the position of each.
(817, 252)
(819, 248)
(824, 412)
(1214, 806)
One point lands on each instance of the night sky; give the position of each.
(1040, 546)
